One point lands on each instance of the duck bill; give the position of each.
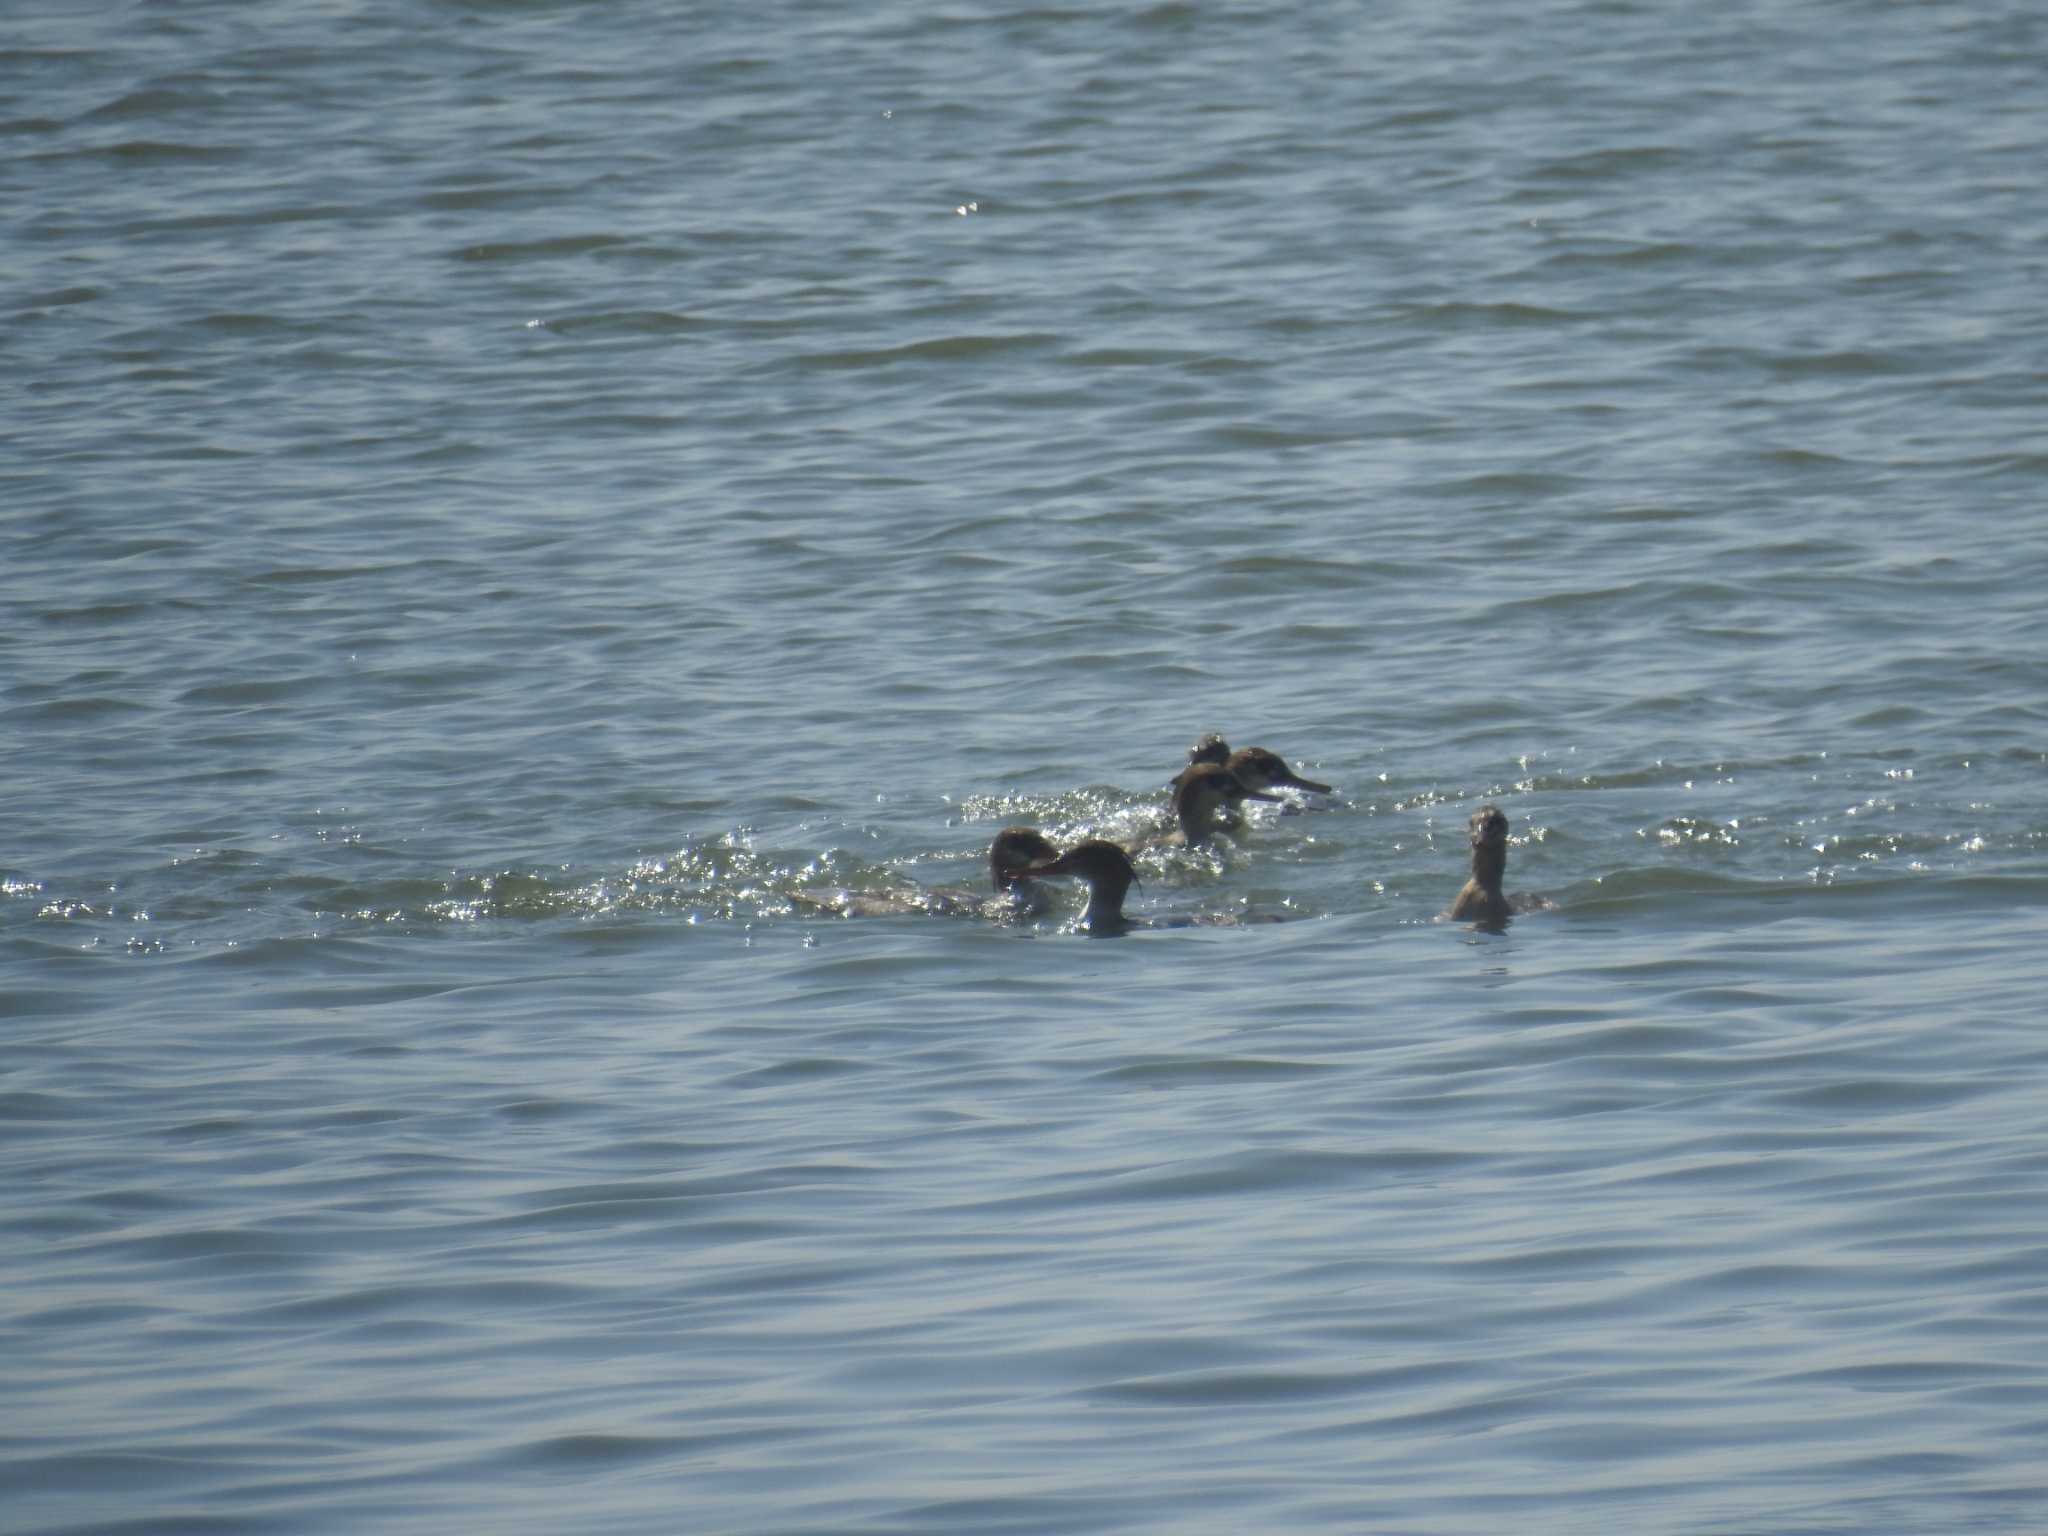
(1296, 781)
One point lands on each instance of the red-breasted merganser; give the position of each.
(1109, 873)
(1256, 768)
(1482, 901)
(1012, 852)
(1200, 794)
(1207, 749)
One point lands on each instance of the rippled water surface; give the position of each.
(518, 514)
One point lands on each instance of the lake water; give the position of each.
(507, 504)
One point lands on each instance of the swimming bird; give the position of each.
(1482, 901)
(1109, 874)
(1200, 794)
(1256, 768)
(1014, 849)
(1207, 749)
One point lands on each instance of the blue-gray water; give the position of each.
(498, 499)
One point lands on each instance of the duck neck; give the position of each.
(1105, 912)
(1197, 820)
(1489, 864)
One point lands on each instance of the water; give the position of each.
(502, 499)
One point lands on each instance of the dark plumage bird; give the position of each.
(1014, 849)
(1482, 901)
(1257, 768)
(1109, 874)
(1205, 797)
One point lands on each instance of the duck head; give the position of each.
(1109, 873)
(1256, 768)
(1203, 791)
(1013, 850)
(1489, 832)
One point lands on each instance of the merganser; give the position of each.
(1200, 793)
(1015, 850)
(1255, 767)
(1482, 900)
(1108, 871)
(1207, 749)
(1012, 852)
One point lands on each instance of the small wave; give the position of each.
(1651, 254)
(88, 708)
(1879, 1095)
(28, 1106)
(945, 349)
(1853, 364)
(1168, 1072)
(95, 614)
(1465, 314)
(150, 152)
(803, 1070)
(155, 101)
(1604, 164)
(1224, 1388)
(59, 298)
(252, 691)
(593, 1450)
(136, 1473)
(1517, 486)
(539, 250)
(634, 322)
(1635, 887)
(1134, 357)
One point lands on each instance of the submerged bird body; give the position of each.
(1109, 874)
(1012, 852)
(1205, 796)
